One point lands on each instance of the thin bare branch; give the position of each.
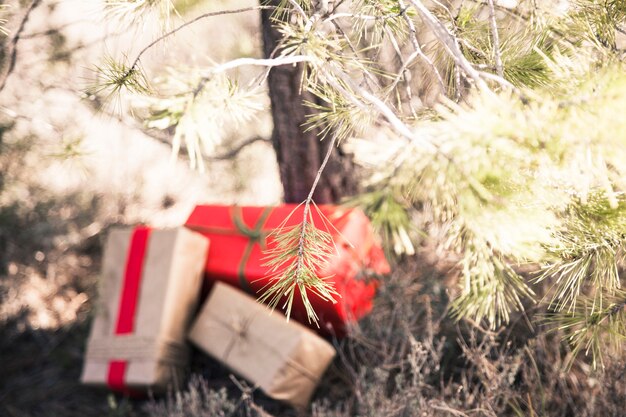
(259, 62)
(12, 47)
(404, 72)
(299, 9)
(448, 40)
(52, 30)
(496, 39)
(192, 21)
(238, 148)
(417, 47)
(335, 16)
(309, 200)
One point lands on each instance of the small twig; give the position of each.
(235, 150)
(335, 16)
(417, 47)
(404, 72)
(14, 41)
(511, 12)
(298, 9)
(403, 69)
(499, 80)
(369, 78)
(71, 50)
(194, 20)
(259, 62)
(389, 115)
(496, 39)
(448, 40)
(309, 199)
(53, 30)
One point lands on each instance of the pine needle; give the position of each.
(114, 77)
(3, 20)
(134, 12)
(299, 254)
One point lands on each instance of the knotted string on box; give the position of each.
(239, 328)
(255, 235)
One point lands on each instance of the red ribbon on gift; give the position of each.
(128, 302)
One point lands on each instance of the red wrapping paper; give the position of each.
(239, 236)
(150, 280)
(125, 322)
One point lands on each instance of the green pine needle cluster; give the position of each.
(390, 218)
(491, 288)
(131, 12)
(297, 256)
(523, 49)
(202, 111)
(113, 77)
(596, 21)
(380, 18)
(591, 330)
(337, 115)
(589, 254)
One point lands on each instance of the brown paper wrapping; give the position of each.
(156, 352)
(284, 359)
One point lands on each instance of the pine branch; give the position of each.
(300, 253)
(589, 254)
(448, 40)
(588, 331)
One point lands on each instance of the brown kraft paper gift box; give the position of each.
(284, 359)
(149, 290)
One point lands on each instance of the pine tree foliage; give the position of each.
(3, 19)
(200, 109)
(390, 218)
(115, 76)
(138, 11)
(519, 163)
(300, 252)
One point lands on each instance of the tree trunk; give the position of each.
(300, 153)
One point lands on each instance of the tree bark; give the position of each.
(300, 153)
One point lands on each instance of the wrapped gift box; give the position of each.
(282, 358)
(149, 290)
(240, 234)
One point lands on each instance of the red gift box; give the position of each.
(239, 235)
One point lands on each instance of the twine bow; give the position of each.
(239, 326)
(255, 235)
